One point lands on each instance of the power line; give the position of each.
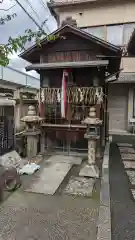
(29, 3)
(29, 15)
(43, 4)
(46, 9)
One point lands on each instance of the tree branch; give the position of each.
(15, 44)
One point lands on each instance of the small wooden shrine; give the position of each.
(73, 67)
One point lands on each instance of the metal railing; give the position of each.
(6, 129)
(12, 75)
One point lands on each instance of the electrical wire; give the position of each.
(44, 22)
(43, 4)
(36, 23)
(46, 9)
(29, 3)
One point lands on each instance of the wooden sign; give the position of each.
(70, 56)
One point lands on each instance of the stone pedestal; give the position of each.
(32, 143)
(90, 169)
(93, 136)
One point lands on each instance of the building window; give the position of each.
(134, 103)
(128, 30)
(115, 35)
(96, 31)
(118, 35)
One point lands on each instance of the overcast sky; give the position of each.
(17, 26)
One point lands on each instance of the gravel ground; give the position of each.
(122, 202)
(31, 216)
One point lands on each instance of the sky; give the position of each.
(17, 26)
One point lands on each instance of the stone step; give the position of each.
(124, 145)
(129, 164)
(65, 159)
(50, 178)
(131, 175)
(126, 150)
(128, 156)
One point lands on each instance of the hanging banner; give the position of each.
(63, 94)
(41, 103)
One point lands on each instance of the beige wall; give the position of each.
(111, 13)
(128, 64)
(118, 95)
(100, 14)
(120, 106)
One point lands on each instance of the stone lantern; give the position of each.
(92, 135)
(32, 131)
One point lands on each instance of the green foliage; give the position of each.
(19, 43)
(15, 44)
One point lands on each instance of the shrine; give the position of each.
(74, 69)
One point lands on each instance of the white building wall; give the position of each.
(100, 14)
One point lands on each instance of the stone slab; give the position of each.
(127, 156)
(11, 159)
(133, 193)
(65, 159)
(104, 223)
(126, 150)
(80, 186)
(105, 193)
(131, 175)
(129, 164)
(89, 171)
(104, 220)
(124, 145)
(50, 178)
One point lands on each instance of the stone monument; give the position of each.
(32, 131)
(93, 134)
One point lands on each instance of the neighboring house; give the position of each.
(112, 21)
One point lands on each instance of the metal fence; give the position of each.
(6, 129)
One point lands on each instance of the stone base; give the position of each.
(91, 171)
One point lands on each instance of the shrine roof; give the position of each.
(79, 64)
(32, 54)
